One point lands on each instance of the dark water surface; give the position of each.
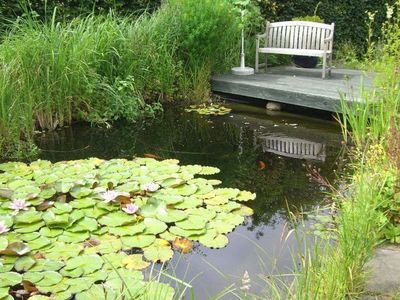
(235, 143)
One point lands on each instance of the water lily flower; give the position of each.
(3, 227)
(151, 187)
(19, 204)
(109, 196)
(130, 208)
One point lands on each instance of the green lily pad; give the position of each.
(135, 262)
(50, 278)
(63, 251)
(190, 234)
(154, 226)
(80, 192)
(3, 243)
(42, 265)
(158, 290)
(28, 217)
(128, 230)
(116, 219)
(9, 279)
(138, 241)
(245, 196)
(189, 202)
(192, 222)
(85, 224)
(172, 215)
(160, 250)
(186, 189)
(227, 192)
(83, 203)
(88, 263)
(47, 232)
(213, 240)
(30, 228)
(56, 221)
(73, 237)
(24, 263)
(77, 285)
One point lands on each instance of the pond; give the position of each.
(263, 152)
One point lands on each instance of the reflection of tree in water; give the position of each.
(195, 139)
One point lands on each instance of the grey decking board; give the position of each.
(290, 85)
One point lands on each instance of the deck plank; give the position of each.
(302, 87)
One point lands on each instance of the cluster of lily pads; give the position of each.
(87, 228)
(209, 109)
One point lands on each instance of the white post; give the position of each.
(242, 70)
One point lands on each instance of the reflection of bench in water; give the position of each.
(293, 147)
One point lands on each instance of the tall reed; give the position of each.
(104, 68)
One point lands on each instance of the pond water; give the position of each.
(258, 151)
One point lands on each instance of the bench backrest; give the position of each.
(298, 35)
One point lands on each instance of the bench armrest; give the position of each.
(260, 36)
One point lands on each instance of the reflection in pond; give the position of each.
(293, 147)
(235, 143)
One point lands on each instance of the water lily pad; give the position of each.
(189, 202)
(80, 192)
(154, 226)
(56, 221)
(191, 234)
(16, 249)
(77, 285)
(39, 243)
(63, 251)
(73, 237)
(227, 192)
(160, 250)
(116, 219)
(33, 277)
(245, 196)
(107, 244)
(61, 208)
(3, 243)
(50, 278)
(158, 290)
(135, 262)
(128, 230)
(46, 265)
(85, 224)
(9, 279)
(172, 215)
(88, 263)
(217, 200)
(244, 211)
(138, 241)
(83, 203)
(28, 217)
(47, 232)
(192, 222)
(30, 228)
(186, 189)
(209, 170)
(213, 240)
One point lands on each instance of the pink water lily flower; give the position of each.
(151, 187)
(109, 196)
(19, 204)
(130, 208)
(3, 227)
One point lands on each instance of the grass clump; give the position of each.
(366, 212)
(105, 68)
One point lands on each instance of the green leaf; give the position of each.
(50, 278)
(154, 226)
(135, 262)
(186, 189)
(77, 285)
(158, 290)
(9, 279)
(38, 243)
(245, 196)
(63, 251)
(192, 222)
(73, 237)
(28, 217)
(30, 228)
(56, 221)
(83, 203)
(138, 241)
(85, 224)
(227, 192)
(116, 219)
(46, 265)
(213, 240)
(128, 230)
(3, 243)
(80, 192)
(209, 170)
(160, 250)
(88, 263)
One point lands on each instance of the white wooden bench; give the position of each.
(297, 38)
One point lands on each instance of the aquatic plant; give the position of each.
(209, 109)
(84, 218)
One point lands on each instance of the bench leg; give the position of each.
(256, 65)
(330, 65)
(324, 67)
(266, 61)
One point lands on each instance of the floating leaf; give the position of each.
(213, 240)
(128, 230)
(16, 249)
(154, 226)
(138, 241)
(245, 196)
(116, 219)
(209, 171)
(160, 250)
(135, 262)
(9, 279)
(184, 245)
(50, 278)
(158, 290)
(88, 263)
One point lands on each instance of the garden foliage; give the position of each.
(103, 68)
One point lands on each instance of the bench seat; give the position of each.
(297, 38)
(315, 53)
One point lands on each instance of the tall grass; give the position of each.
(104, 68)
(336, 269)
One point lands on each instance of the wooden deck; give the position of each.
(295, 86)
